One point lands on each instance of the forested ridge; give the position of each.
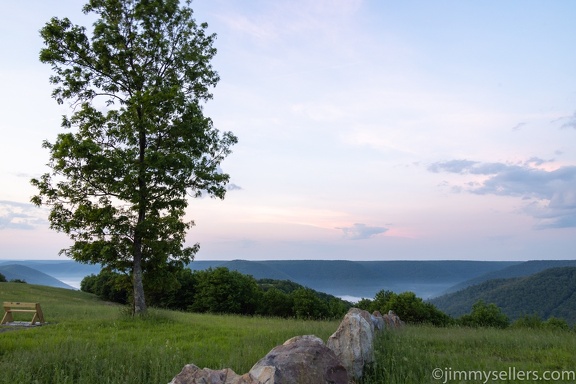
(550, 293)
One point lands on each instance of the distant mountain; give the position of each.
(353, 279)
(548, 293)
(30, 275)
(68, 271)
(364, 278)
(526, 268)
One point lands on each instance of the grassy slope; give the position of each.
(409, 356)
(88, 341)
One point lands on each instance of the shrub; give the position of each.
(485, 315)
(528, 321)
(407, 306)
(556, 324)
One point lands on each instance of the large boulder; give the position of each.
(192, 374)
(301, 360)
(353, 342)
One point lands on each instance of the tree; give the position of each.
(276, 303)
(139, 143)
(2, 278)
(307, 304)
(223, 291)
(485, 315)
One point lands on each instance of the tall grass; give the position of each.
(410, 355)
(88, 341)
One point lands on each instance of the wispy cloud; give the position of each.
(570, 122)
(518, 126)
(16, 215)
(551, 194)
(360, 231)
(233, 187)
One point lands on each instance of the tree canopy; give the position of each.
(137, 143)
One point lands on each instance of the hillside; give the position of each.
(30, 275)
(364, 278)
(526, 268)
(550, 293)
(64, 270)
(337, 277)
(89, 341)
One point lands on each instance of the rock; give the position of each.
(392, 320)
(377, 320)
(191, 374)
(353, 342)
(301, 360)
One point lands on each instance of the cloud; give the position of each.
(16, 215)
(233, 187)
(518, 126)
(361, 231)
(551, 194)
(571, 122)
(467, 167)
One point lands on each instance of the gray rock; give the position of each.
(301, 360)
(392, 320)
(377, 320)
(192, 374)
(353, 342)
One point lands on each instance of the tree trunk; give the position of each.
(137, 281)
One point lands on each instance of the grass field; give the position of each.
(89, 341)
(473, 355)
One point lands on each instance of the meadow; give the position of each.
(90, 341)
(426, 354)
(87, 340)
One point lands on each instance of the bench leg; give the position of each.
(7, 318)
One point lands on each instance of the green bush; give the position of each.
(2, 278)
(407, 306)
(528, 321)
(485, 315)
(556, 324)
(223, 291)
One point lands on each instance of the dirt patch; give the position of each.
(18, 325)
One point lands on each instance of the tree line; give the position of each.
(413, 310)
(221, 290)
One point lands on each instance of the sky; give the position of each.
(368, 129)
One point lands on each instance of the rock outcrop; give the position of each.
(353, 342)
(302, 360)
(306, 359)
(392, 320)
(378, 321)
(192, 374)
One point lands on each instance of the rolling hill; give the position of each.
(30, 275)
(364, 278)
(354, 279)
(516, 270)
(549, 293)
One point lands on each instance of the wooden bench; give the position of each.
(11, 307)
